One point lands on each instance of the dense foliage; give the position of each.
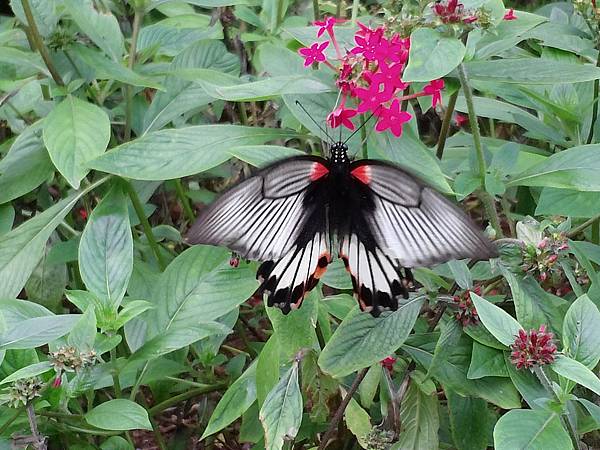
(120, 120)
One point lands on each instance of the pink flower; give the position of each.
(450, 11)
(57, 381)
(398, 49)
(535, 347)
(467, 314)
(470, 19)
(460, 119)
(392, 118)
(341, 116)
(389, 76)
(368, 45)
(371, 98)
(433, 88)
(510, 15)
(326, 24)
(388, 363)
(314, 53)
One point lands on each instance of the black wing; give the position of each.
(262, 217)
(277, 216)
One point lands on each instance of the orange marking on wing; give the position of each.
(323, 261)
(317, 171)
(362, 174)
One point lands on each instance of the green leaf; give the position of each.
(37, 331)
(262, 155)
(116, 443)
(281, 413)
(175, 153)
(267, 368)
(358, 422)
(100, 26)
(581, 336)
(577, 372)
(530, 71)
(526, 383)
(83, 334)
(568, 202)
(530, 430)
(575, 168)
(486, 362)
(106, 249)
(16, 310)
(26, 165)
(432, 55)
(119, 414)
(362, 339)
(461, 273)
(199, 286)
(23, 247)
(46, 14)
(47, 282)
(497, 321)
(132, 309)
(28, 372)
(236, 400)
(75, 132)
(420, 419)
(470, 421)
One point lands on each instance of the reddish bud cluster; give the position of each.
(234, 261)
(388, 363)
(541, 260)
(532, 348)
(466, 314)
(371, 74)
(452, 11)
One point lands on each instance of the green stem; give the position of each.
(185, 396)
(137, 22)
(596, 232)
(316, 9)
(446, 125)
(595, 99)
(338, 8)
(363, 138)
(115, 372)
(486, 198)
(139, 210)
(39, 43)
(138, 382)
(355, 5)
(575, 231)
(185, 202)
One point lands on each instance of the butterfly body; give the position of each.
(296, 215)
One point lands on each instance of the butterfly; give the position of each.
(297, 214)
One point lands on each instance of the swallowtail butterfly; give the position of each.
(297, 214)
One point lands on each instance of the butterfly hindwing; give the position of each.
(262, 217)
(413, 223)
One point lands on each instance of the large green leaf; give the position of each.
(526, 383)
(28, 372)
(577, 372)
(236, 400)
(46, 14)
(37, 331)
(432, 55)
(199, 286)
(101, 27)
(502, 325)
(420, 421)
(531, 71)
(262, 155)
(530, 430)
(180, 152)
(22, 248)
(568, 202)
(486, 362)
(581, 336)
(281, 413)
(106, 249)
(575, 168)
(26, 165)
(75, 132)
(362, 339)
(470, 421)
(119, 414)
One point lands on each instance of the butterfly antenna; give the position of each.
(315, 122)
(361, 125)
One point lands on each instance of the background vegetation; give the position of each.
(119, 120)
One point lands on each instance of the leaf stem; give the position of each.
(114, 372)
(595, 100)
(185, 202)
(185, 396)
(340, 411)
(316, 14)
(575, 231)
(446, 125)
(137, 22)
(39, 43)
(485, 197)
(139, 210)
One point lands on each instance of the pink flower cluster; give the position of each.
(533, 347)
(370, 73)
(452, 11)
(466, 313)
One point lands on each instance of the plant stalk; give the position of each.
(39, 43)
(355, 5)
(39, 442)
(139, 210)
(137, 22)
(485, 197)
(446, 125)
(595, 100)
(114, 372)
(316, 14)
(575, 231)
(185, 396)
(185, 202)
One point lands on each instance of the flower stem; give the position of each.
(39, 441)
(575, 231)
(137, 22)
(446, 125)
(114, 372)
(185, 396)
(39, 43)
(355, 5)
(363, 138)
(316, 9)
(485, 197)
(185, 202)
(139, 210)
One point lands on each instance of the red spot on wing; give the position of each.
(317, 171)
(362, 174)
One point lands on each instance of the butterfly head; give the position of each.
(339, 153)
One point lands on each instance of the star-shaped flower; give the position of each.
(314, 53)
(392, 118)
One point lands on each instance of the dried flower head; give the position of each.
(378, 439)
(466, 313)
(69, 359)
(22, 392)
(535, 347)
